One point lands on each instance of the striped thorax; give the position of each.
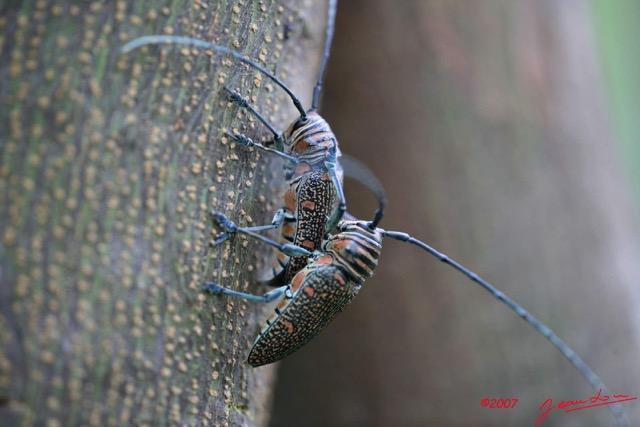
(355, 249)
(312, 142)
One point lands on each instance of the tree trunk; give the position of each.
(109, 166)
(487, 124)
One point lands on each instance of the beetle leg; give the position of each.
(339, 211)
(236, 98)
(273, 295)
(354, 168)
(229, 228)
(248, 142)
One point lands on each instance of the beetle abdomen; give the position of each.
(308, 203)
(311, 200)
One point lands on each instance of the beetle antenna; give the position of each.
(354, 168)
(331, 24)
(157, 39)
(566, 351)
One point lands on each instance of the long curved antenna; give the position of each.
(566, 351)
(354, 168)
(157, 39)
(331, 24)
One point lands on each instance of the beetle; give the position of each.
(333, 277)
(314, 202)
(316, 294)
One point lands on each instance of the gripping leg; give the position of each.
(229, 228)
(273, 295)
(248, 142)
(236, 98)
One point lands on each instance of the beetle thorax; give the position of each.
(355, 249)
(311, 141)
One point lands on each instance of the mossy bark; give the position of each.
(109, 166)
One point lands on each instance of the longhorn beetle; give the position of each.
(311, 152)
(333, 277)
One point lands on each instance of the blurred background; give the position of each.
(506, 135)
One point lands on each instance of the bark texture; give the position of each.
(109, 166)
(488, 126)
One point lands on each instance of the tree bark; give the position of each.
(487, 125)
(109, 167)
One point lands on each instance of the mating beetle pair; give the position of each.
(320, 273)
